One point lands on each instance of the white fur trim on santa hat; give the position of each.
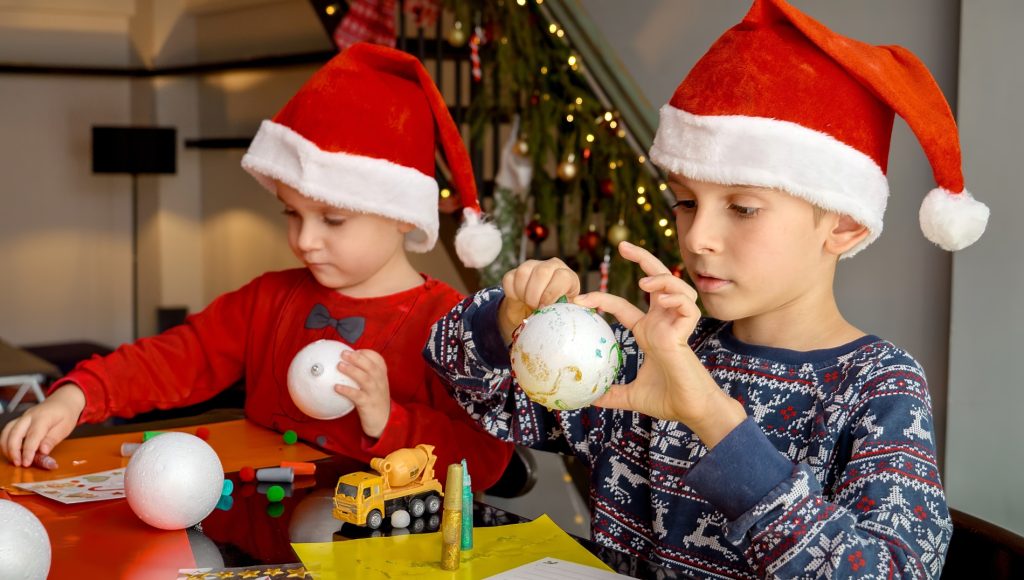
(952, 221)
(761, 152)
(353, 182)
(477, 242)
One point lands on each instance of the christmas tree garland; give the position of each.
(589, 187)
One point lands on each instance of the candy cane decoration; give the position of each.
(605, 266)
(475, 41)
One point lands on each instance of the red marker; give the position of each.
(44, 461)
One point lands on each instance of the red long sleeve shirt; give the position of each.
(255, 331)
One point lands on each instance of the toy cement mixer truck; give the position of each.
(404, 481)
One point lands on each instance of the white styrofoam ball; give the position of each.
(400, 519)
(312, 376)
(173, 481)
(24, 545)
(565, 356)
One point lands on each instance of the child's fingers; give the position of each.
(667, 283)
(646, 260)
(521, 279)
(616, 397)
(552, 278)
(683, 305)
(33, 438)
(5, 437)
(16, 438)
(620, 308)
(357, 396)
(564, 282)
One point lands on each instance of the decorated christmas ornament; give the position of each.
(457, 36)
(618, 233)
(536, 231)
(24, 545)
(312, 376)
(173, 481)
(565, 356)
(567, 169)
(590, 241)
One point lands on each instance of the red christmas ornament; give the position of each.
(536, 231)
(607, 187)
(590, 242)
(677, 270)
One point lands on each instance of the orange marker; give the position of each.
(300, 467)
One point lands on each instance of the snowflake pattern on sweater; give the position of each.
(832, 475)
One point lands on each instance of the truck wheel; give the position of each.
(374, 519)
(417, 508)
(433, 503)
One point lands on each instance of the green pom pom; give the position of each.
(290, 437)
(275, 493)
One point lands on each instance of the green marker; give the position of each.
(467, 509)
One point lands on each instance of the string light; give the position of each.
(446, 193)
(579, 100)
(647, 207)
(543, 70)
(572, 60)
(641, 200)
(641, 159)
(641, 189)
(663, 222)
(552, 28)
(613, 124)
(590, 138)
(331, 9)
(668, 232)
(608, 116)
(521, 2)
(662, 186)
(560, 33)
(569, 118)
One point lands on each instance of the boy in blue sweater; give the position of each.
(771, 438)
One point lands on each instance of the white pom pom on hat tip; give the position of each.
(478, 242)
(952, 220)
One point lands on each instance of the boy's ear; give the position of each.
(845, 234)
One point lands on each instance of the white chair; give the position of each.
(24, 371)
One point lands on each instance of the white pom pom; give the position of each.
(477, 242)
(952, 221)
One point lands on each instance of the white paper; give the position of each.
(555, 569)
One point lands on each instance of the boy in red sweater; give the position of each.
(351, 157)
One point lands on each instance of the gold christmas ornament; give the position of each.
(567, 169)
(522, 147)
(457, 36)
(618, 233)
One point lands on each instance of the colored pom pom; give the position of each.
(290, 437)
(229, 486)
(275, 509)
(275, 493)
(247, 473)
(203, 433)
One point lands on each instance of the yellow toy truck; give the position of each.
(404, 481)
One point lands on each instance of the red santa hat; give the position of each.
(780, 101)
(360, 135)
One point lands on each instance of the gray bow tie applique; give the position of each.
(350, 328)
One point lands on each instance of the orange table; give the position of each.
(106, 539)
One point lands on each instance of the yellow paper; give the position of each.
(495, 550)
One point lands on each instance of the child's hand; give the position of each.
(672, 384)
(532, 285)
(373, 397)
(42, 426)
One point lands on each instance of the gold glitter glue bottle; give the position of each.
(451, 521)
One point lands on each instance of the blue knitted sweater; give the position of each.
(833, 474)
